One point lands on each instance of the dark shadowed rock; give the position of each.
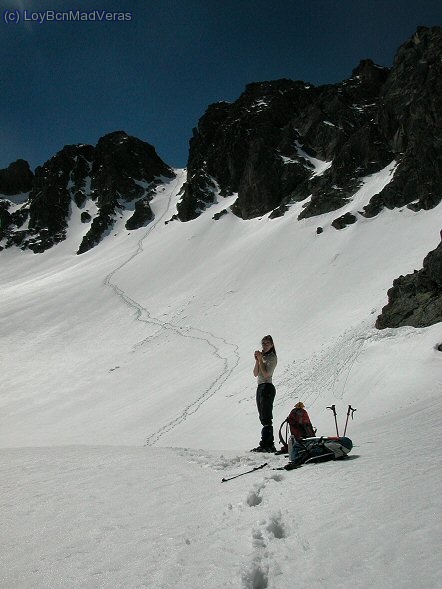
(120, 171)
(5, 218)
(124, 169)
(410, 117)
(85, 217)
(247, 147)
(218, 216)
(143, 214)
(344, 220)
(268, 146)
(286, 141)
(54, 184)
(416, 299)
(16, 178)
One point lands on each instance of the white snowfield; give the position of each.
(127, 395)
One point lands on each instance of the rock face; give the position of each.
(343, 221)
(286, 141)
(119, 172)
(410, 116)
(270, 145)
(416, 299)
(16, 178)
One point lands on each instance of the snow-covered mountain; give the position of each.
(288, 141)
(127, 394)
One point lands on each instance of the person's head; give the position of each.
(299, 405)
(267, 345)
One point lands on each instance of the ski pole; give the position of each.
(243, 473)
(350, 409)
(333, 408)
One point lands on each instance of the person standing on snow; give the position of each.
(265, 364)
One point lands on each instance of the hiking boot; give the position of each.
(292, 465)
(269, 449)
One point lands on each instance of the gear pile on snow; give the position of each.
(304, 446)
(317, 450)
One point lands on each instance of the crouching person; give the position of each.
(300, 428)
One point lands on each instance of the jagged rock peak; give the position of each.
(131, 156)
(371, 75)
(16, 178)
(367, 69)
(284, 141)
(263, 146)
(425, 41)
(237, 141)
(120, 169)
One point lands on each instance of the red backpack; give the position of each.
(300, 426)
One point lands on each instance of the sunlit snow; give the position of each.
(127, 394)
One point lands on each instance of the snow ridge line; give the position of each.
(143, 315)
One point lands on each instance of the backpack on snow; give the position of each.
(320, 449)
(299, 424)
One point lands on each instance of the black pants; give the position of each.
(265, 395)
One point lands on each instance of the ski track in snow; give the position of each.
(321, 373)
(217, 344)
(326, 372)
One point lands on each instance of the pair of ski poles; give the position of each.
(349, 411)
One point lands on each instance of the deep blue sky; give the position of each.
(155, 75)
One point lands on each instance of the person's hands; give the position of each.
(258, 355)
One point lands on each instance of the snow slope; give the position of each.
(127, 395)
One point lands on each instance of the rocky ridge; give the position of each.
(284, 141)
(416, 299)
(119, 172)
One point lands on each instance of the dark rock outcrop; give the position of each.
(59, 181)
(416, 299)
(119, 172)
(270, 144)
(16, 178)
(285, 141)
(142, 215)
(344, 220)
(410, 117)
(124, 169)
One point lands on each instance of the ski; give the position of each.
(243, 473)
